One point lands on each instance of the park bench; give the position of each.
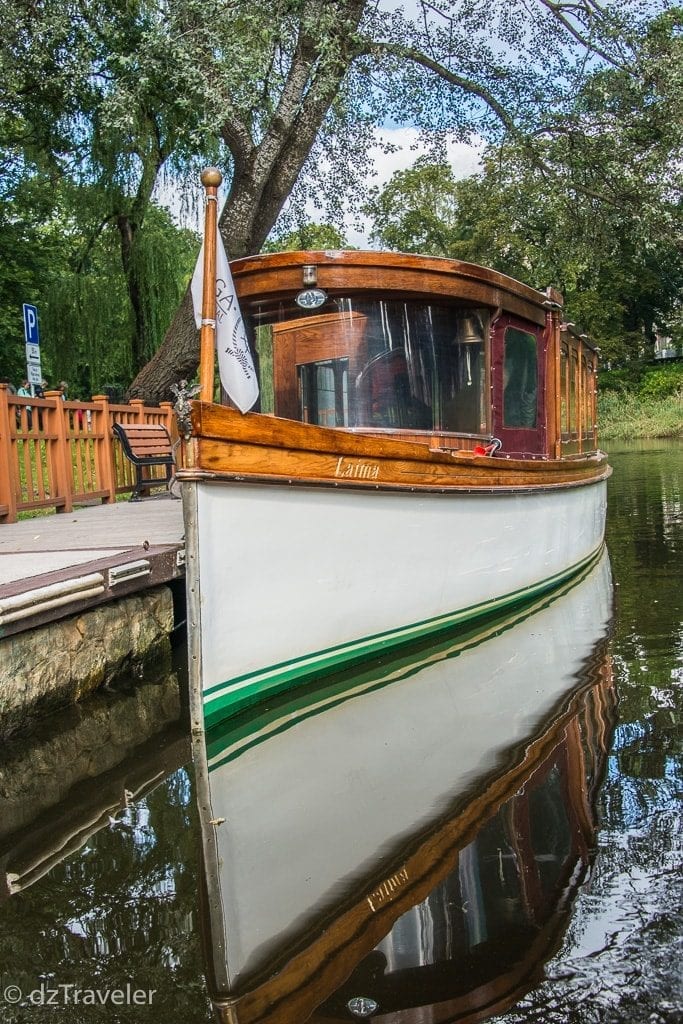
(146, 444)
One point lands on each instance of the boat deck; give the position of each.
(62, 564)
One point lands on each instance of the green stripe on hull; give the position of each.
(235, 695)
(233, 736)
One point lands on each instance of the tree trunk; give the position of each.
(177, 358)
(128, 233)
(263, 174)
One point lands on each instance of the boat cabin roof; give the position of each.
(276, 276)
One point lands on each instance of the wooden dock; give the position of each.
(57, 565)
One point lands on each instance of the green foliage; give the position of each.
(27, 249)
(48, 257)
(643, 380)
(116, 99)
(590, 204)
(623, 379)
(307, 236)
(662, 383)
(418, 210)
(641, 400)
(88, 321)
(93, 110)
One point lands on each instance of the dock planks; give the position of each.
(57, 565)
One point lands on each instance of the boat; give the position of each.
(405, 841)
(423, 453)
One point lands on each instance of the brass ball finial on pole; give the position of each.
(211, 178)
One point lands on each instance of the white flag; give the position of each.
(235, 365)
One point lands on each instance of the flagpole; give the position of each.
(211, 179)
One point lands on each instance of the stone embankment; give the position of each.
(81, 745)
(60, 663)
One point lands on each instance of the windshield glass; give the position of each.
(383, 364)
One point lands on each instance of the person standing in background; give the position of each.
(25, 392)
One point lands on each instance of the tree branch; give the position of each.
(557, 9)
(309, 90)
(91, 241)
(466, 84)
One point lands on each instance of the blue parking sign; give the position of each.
(31, 333)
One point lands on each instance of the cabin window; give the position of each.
(520, 379)
(264, 351)
(394, 365)
(586, 426)
(589, 397)
(573, 397)
(564, 387)
(578, 395)
(324, 392)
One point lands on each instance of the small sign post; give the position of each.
(34, 371)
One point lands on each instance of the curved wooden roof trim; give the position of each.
(278, 275)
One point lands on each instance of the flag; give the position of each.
(235, 364)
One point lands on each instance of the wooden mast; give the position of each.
(211, 179)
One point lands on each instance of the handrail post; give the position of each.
(61, 456)
(104, 450)
(139, 407)
(8, 490)
(169, 419)
(168, 415)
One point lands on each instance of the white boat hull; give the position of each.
(290, 582)
(315, 799)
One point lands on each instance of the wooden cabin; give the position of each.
(420, 348)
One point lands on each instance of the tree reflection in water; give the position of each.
(621, 957)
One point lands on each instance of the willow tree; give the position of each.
(94, 102)
(86, 319)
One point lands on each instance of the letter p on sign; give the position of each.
(31, 335)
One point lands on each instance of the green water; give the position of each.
(621, 956)
(110, 896)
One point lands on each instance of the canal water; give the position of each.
(487, 828)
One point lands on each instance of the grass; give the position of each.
(625, 416)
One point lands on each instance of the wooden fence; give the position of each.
(56, 453)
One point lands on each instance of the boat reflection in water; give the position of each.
(404, 843)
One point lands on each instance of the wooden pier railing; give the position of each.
(57, 454)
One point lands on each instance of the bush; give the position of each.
(624, 379)
(661, 382)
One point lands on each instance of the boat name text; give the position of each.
(388, 889)
(357, 470)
